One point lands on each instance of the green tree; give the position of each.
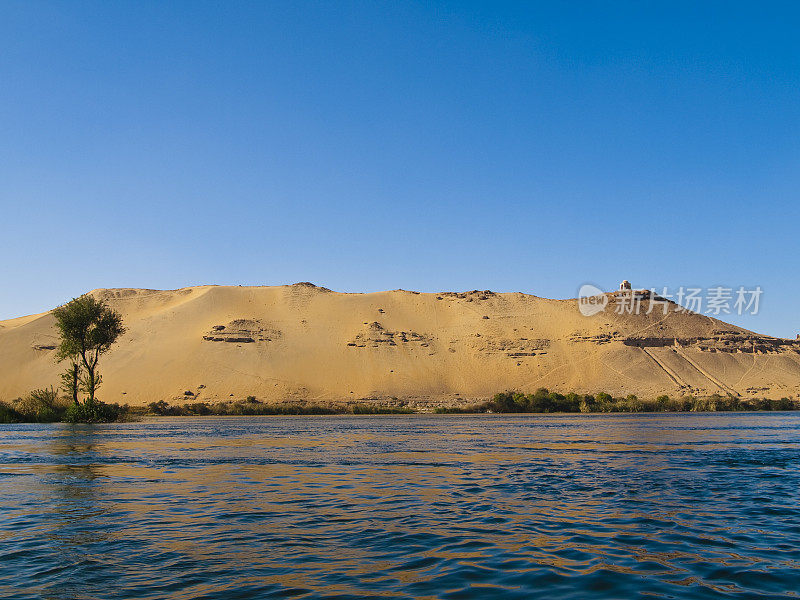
(69, 350)
(70, 379)
(88, 328)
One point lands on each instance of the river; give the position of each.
(407, 506)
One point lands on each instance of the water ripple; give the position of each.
(595, 506)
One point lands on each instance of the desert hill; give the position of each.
(306, 342)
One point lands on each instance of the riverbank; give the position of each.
(44, 406)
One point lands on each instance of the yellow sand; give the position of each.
(311, 343)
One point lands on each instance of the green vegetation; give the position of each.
(461, 410)
(46, 406)
(39, 406)
(376, 409)
(545, 401)
(236, 408)
(251, 406)
(97, 412)
(88, 328)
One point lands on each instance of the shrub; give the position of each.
(376, 409)
(509, 402)
(197, 408)
(603, 402)
(633, 404)
(162, 408)
(662, 403)
(8, 414)
(767, 404)
(94, 412)
(41, 406)
(685, 403)
(587, 404)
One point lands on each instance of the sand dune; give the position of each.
(307, 342)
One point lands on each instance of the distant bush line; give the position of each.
(47, 406)
(545, 401)
(251, 406)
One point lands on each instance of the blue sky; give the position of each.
(374, 145)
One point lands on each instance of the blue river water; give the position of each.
(411, 506)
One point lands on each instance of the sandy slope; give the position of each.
(301, 341)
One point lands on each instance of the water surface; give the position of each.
(534, 506)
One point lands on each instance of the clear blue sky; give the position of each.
(376, 145)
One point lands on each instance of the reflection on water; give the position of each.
(596, 506)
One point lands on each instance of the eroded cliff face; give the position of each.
(306, 342)
(719, 341)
